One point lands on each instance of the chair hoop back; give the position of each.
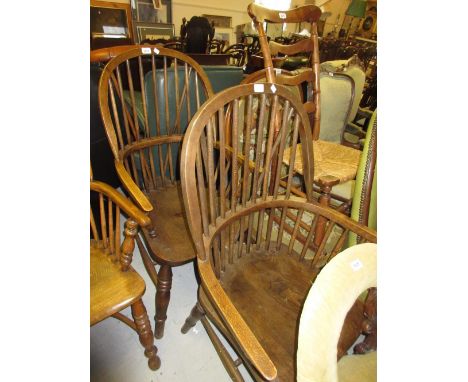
(208, 172)
(147, 96)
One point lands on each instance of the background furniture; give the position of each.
(238, 53)
(210, 58)
(146, 106)
(114, 285)
(254, 273)
(150, 22)
(110, 24)
(333, 293)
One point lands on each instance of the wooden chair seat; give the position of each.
(329, 159)
(269, 294)
(111, 290)
(173, 243)
(254, 269)
(114, 284)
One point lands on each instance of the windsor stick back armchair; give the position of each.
(245, 224)
(147, 97)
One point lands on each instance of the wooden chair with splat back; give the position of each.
(245, 224)
(146, 105)
(114, 285)
(334, 163)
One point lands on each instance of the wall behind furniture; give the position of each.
(337, 8)
(186, 8)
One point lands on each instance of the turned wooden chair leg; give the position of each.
(369, 325)
(163, 295)
(195, 315)
(326, 183)
(145, 334)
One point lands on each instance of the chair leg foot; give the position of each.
(195, 315)
(163, 295)
(143, 327)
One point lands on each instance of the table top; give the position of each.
(329, 159)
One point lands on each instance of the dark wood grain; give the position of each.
(145, 133)
(254, 293)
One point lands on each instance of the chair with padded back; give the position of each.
(337, 99)
(354, 68)
(145, 112)
(246, 223)
(335, 289)
(114, 285)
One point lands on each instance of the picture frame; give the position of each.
(220, 21)
(154, 31)
(111, 20)
(152, 11)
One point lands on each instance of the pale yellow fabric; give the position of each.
(358, 368)
(331, 296)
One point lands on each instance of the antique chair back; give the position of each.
(146, 127)
(238, 54)
(336, 99)
(147, 97)
(114, 285)
(307, 13)
(246, 225)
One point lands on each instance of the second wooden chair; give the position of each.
(146, 105)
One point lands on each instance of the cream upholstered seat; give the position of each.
(333, 293)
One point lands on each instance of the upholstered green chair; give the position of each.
(337, 93)
(334, 291)
(362, 192)
(341, 93)
(353, 68)
(358, 119)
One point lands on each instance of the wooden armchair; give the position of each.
(238, 53)
(114, 285)
(246, 224)
(145, 112)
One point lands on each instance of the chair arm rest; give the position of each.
(354, 129)
(364, 113)
(124, 203)
(347, 143)
(132, 188)
(236, 325)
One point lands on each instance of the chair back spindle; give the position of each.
(147, 96)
